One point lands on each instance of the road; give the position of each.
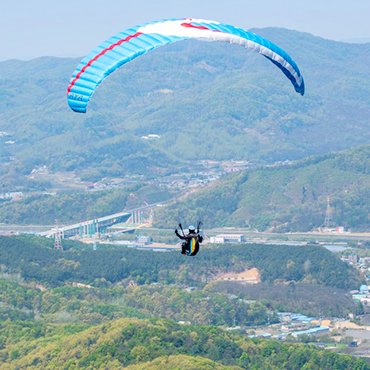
(291, 236)
(249, 235)
(4, 228)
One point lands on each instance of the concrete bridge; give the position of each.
(98, 226)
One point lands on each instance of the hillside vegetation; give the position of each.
(80, 308)
(36, 260)
(285, 198)
(126, 342)
(205, 100)
(76, 207)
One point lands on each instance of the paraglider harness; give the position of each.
(190, 246)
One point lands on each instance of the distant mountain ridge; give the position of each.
(205, 100)
(359, 40)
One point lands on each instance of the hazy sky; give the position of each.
(32, 28)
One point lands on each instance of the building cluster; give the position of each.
(150, 137)
(296, 324)
(362, 295)
(227, 238)
(186, 180)
(360, 263)
(173, 181)
(121, 183)
(207, 172)
(12, 195)
(41, 170)
(336, 229)
(235, 166)
(140, 241)
(352, 258)
(143, 240)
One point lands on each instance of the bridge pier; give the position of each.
(137, 217)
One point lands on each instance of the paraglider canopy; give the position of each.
(131, 43)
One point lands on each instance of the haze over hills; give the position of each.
(111, 306)
(205, 100)
(360, 40)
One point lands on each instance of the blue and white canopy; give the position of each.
(131, 43)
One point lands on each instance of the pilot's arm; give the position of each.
(178, 235)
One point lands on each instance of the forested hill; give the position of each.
(220, 100)
(35, 260)
(155, 344)
(285, 198)
(118, 307)
(72, 208)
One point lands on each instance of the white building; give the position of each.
(227, 238)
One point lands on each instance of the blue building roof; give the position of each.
(317, 330)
